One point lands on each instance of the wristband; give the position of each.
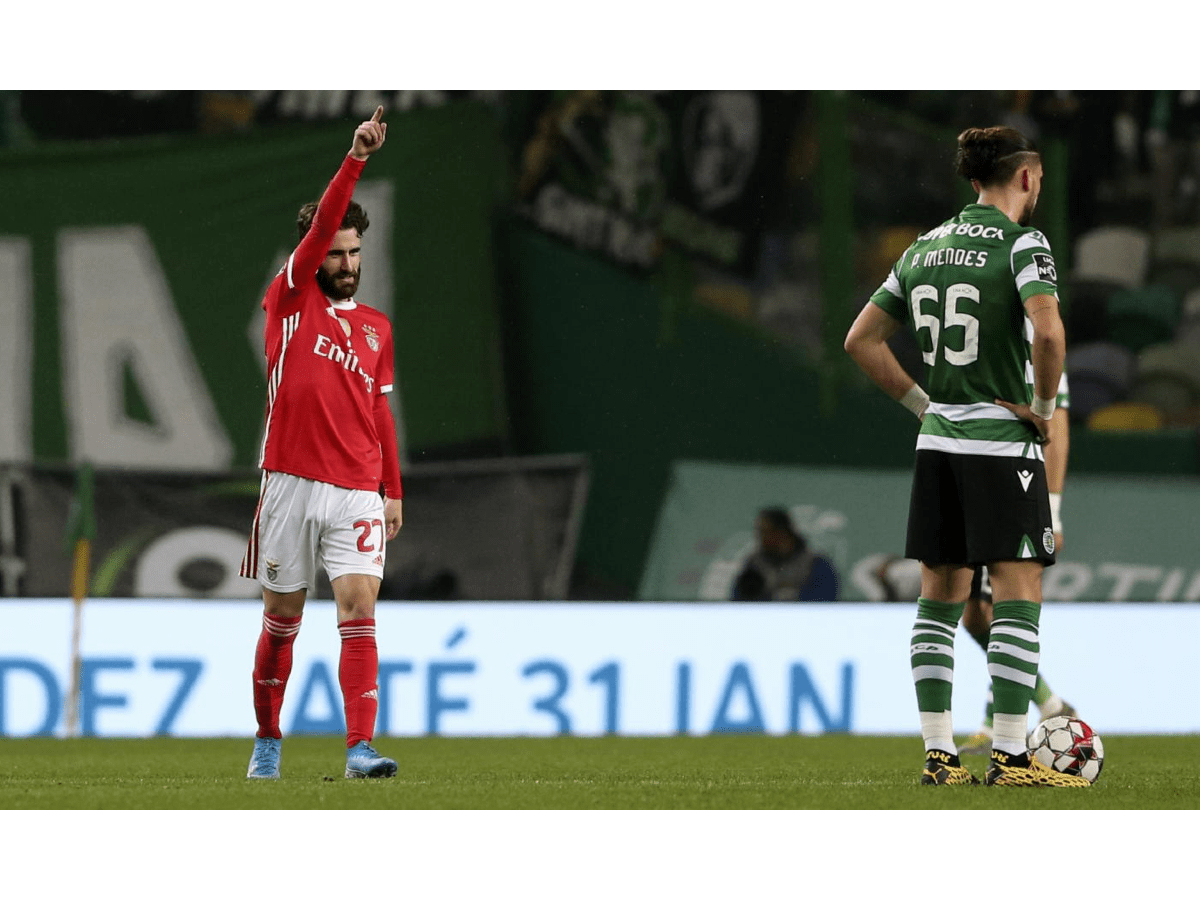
(1056, 513)
(915, 401)
(1043, 409)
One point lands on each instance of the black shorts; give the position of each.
(972, 510)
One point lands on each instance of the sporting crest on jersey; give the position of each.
(1045, 267)
(372, 337)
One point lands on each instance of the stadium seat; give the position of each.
(1085, 308)
(1089, 395)
(1188, 329)
(1176, 358)
(1168, 378)
(1140, 317)
(1166, 395)
(1178, 244)
(1105, 360)
(1099, 373)
(1115, 253)
(1181, 276)
(1125, 417)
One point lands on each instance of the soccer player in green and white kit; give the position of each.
(979, 292)
(977, 614)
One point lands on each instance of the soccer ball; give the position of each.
(1067, 744)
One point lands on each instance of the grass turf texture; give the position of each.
(710, 772)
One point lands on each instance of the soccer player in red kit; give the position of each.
(329, 446)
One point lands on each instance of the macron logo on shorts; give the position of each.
(1025, 478)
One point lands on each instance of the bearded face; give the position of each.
(1031, 201)
(337, 286)
(1027, 213)
(339, 273)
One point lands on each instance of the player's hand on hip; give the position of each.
(1022, 411)
(393, 516)
(369, 136)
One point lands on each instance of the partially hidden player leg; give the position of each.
(977, 620)
(272, 667)
(1014, 652)
(931, 651)
(358, 673)
(1050, 704)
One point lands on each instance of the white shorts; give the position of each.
(300, 523)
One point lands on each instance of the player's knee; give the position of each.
(288, 605)
(355, 596)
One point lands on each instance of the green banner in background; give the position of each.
(137, 268)
(1125, 539)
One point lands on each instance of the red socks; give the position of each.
(272, 666)
(358, 672)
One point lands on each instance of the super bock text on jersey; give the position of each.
(961, 287)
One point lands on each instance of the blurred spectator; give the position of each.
(783, 567)
(899, 578)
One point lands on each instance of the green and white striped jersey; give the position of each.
(961, 287)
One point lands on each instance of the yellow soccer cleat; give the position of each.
(945, 768)
(1011, 770)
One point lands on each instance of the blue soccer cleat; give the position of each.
(363, 762)
(264, 761)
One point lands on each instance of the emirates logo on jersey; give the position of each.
(347, 358)
(372, 338)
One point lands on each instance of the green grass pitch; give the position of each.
(717, 772)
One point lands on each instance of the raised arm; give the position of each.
(331, 209)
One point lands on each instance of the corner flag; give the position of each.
(81, 529)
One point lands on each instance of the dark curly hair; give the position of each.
(356, 218)
(993, 155)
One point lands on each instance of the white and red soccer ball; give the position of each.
(1067, 744)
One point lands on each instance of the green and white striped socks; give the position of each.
(1013, 654)
(931, 651)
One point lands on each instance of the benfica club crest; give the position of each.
(372, 338)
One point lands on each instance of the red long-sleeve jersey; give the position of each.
(330, 368)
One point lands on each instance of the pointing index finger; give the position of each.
(378, 114)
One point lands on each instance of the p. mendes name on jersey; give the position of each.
(961, 287)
